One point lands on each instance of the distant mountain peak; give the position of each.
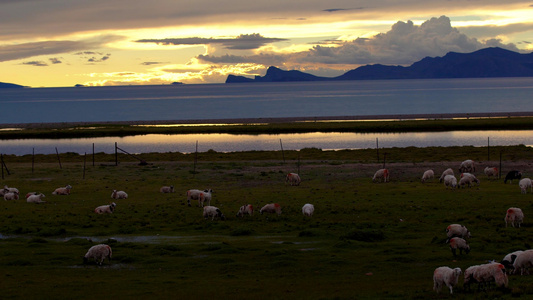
(487, 62)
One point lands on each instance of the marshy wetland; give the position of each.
(365, 240)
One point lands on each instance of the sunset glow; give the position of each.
(47, 44)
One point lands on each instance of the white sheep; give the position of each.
(119, 195)
(445, 276)
(11, 196)
(491, 172)
(271, 208)
(106, 209)
(12, 190)
(459, 243)
(213, 212)
(308, 210)
(523, 262)
(468, 179)
(62, 190)
(509, 259)
(3, 191)
(293, 179)
(457, 230)
(99, 253)
(167, 189)
(467, 166)
(382, 175)
(490, 272)
(524, 184)
(429, 174)
(469, 277)
(450, 181)
(247, 209)
(35, 198)
(202, 196)
(514, 215)
(448, 171)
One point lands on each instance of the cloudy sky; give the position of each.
(58, 43)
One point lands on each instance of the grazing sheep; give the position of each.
(467, 166)
(12, 190)
(491, 172)
(445, 276)
(450, 181)
(4, 191)
(381, 175)
(490, 272)
(429, 174)
(514, 215)
(469, 277)
(468, 179)
(457, 230)
(293, 179)
(523, 262)
(213, 212)
(99, 253)
(308, 210)
(245, 209)
(105, 209)
(62, 190)
(459, 243)
(35, 198)
(271, 208)
(509, 259)
(167, 189)
(11, 196)
(512, 175)
(525, 183)
(448, 171)
(201, 196)
(119, 195)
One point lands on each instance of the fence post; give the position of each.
(116, 154)
(377, 149)
(58, 159)
(282, 153)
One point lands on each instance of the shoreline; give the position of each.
(244, 121)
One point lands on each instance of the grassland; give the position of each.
(366, 240)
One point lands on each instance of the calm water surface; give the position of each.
(266, 100)
(186, 143)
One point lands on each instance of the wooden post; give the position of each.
(93, 154)
(500, 170)
(282, 153)
(377, 149)
(2, 164)
(58, 159)
(116, 154)
(299, 163)
(488, 148)
(195, 159)
(84, 161)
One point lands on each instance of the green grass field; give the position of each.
(365, 241)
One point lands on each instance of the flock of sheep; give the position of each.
(457, 234)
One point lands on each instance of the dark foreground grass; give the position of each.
(366, 240)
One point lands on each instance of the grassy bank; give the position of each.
(67, 130)
(366, 240)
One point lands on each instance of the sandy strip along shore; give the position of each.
(279, 120)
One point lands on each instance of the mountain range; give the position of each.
(484, 63)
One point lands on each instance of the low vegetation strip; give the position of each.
(72, 130)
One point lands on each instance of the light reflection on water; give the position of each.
(186, 143)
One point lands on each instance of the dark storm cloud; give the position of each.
(35, 63)
(242, 42)
(21, 51)
(341, 9)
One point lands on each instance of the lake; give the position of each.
(265, 100)
(186, 143)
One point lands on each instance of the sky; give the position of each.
(61, 43)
